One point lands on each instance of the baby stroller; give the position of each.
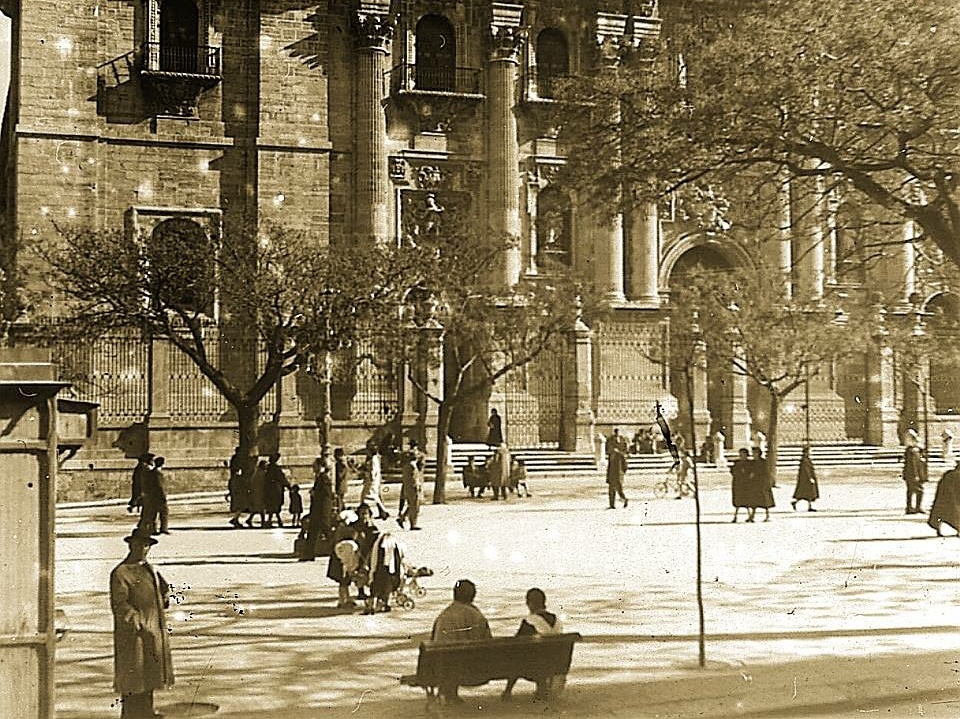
(410, 587)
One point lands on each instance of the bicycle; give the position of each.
(680, 486)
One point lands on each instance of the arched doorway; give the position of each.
(943, 324)
(436, 54)
(179, 36)
(720, 397)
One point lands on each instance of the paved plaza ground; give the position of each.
(849, 611)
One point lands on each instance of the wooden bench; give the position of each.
(472, 664)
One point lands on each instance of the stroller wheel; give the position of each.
(421, 592)
(408, 603)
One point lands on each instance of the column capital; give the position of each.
(506, 41)
(373, 30)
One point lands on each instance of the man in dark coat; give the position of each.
(144, 464)
(142, 659)
(914, 476)
(741, 471)
(412, 461)
(760, 492)
(616, 470)
(341, 478)
(275, 485)
(946, 502)
(154, 493)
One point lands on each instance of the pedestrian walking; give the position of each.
(296, 505)
(142, 660)
(946, 437)
(807, 488)
(275, 486)
(411, 489)
(740, 472)
(144, 464)
(341, 478)
(914, 476)
(760, 494)
(946, 502)
(500, 471)
(616, 470)
(518, 478)
(154, 494)
(494, 429)
(372, 481)
(258, 488)
(385, 572)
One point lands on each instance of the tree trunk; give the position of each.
(702, 630)
(440, 481)
(247, 435)
(773, 440)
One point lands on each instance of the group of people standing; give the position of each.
(261, 492)
(946, 501)
(148, 493)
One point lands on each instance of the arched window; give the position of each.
(554, 225)
(436, 54)
(181, 265)
(943, 324)
(553, 60)
(179, 36)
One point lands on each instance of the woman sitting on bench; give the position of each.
(539, 621)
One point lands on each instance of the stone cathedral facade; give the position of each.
(372, 120)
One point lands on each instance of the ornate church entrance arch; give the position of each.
(726, 395)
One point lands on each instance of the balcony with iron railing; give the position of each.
(545, 83)
(409, 77)
(197, 60)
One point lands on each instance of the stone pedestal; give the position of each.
(579, 425)
(741, 422)
(701, 414)
(882, 418)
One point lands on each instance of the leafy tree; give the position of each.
(861, 97)
(278, 295)
(485, 332)
(750, 324)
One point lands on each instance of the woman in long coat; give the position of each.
(946, 502)
(806, 482)
(258, 488)
(143, 662)
(740, 472)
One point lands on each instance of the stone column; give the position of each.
(645, 255)
(785, 223)
(701, 412)
(503, 145)
(373, 32)
(808, 226)
(906, 263)
(882, 417)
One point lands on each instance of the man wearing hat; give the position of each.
(142, 660)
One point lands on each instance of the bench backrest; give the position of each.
(474, 663)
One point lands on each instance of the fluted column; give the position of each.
(645, 254)
(503, 146)
(808, 226)
(784, 246)
(373, 33)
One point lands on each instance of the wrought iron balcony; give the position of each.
(198, 60)
(175, 76)
(409, 77)
(545, 84)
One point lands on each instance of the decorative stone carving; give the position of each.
(398, 169)
(425, 214)
(436, 112)
(506, 43)
(175, 94)
(701, 205)
(373, 31)
(429, 177)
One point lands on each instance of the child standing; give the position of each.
(296, 505)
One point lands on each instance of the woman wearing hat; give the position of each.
(139, 596)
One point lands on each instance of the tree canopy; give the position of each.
(865, 96)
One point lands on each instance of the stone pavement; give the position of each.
(848, 611)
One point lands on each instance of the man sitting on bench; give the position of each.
(539, 621)
(461, 621)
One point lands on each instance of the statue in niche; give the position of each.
(422, 220)
(702, 205)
